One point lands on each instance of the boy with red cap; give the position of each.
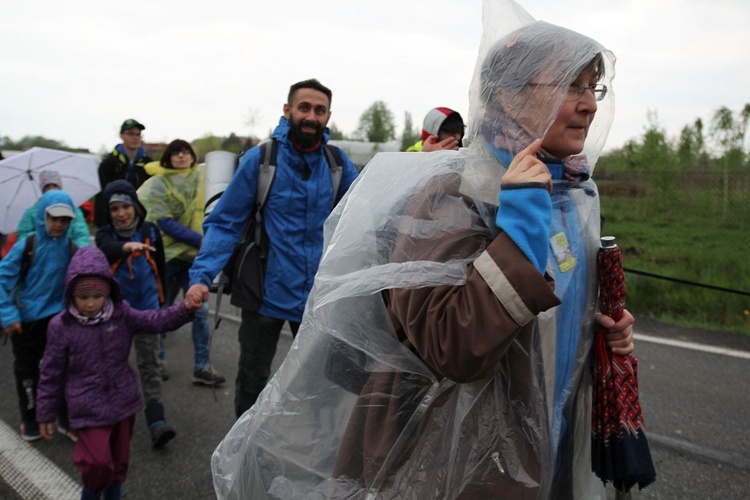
(443, 129)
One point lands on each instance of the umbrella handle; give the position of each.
(622, 495)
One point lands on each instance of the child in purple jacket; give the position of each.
(86, 358)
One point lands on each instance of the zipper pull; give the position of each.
(496, 459)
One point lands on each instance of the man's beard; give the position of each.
(302, 139)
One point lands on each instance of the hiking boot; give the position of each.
(30, 431)
(161, 434)
(207, 376)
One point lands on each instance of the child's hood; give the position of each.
(90, 261)
(122, 186)
(52, 197)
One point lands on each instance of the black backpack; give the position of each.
(244, 275)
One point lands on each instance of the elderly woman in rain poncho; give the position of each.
(445, 348)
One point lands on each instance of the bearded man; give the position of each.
(300, 199)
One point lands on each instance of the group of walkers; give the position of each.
(446, 333)
(71, 355)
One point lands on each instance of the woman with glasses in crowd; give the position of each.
(456, 302)
(174, 198)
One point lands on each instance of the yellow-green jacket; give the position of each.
(179, 195)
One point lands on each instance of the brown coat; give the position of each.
(480, 339)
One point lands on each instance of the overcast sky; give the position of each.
(74, 70)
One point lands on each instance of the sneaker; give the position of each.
(30, 431)
(161, 434)
(207, 376)
(67, 433)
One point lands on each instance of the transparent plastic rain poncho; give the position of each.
(177, 194)
(522, 431)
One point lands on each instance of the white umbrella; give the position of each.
(19, 181)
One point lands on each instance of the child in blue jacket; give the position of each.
(27, 303)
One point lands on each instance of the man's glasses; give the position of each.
(133, 134)
(184, 151)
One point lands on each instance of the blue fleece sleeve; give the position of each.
(180, 232)
(525, 215)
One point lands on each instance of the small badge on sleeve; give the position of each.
(561, 251)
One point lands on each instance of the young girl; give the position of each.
(87, 358)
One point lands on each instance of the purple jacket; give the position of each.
(90, 362)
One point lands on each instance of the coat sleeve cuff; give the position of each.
(515, 282)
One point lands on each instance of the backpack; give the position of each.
(27, 258)
(244, 275)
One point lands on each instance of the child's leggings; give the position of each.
(102, 454)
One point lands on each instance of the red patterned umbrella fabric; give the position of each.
(620, 451)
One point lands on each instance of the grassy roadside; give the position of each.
(697, 234)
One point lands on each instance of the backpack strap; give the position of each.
(266, 173)
(28, 255)
(146, 233)
(336, 164)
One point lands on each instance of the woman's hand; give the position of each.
(619, 335)
(526, 167)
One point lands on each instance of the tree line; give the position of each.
(722, 145)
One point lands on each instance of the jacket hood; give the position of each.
(90, 261)
(122, 186)
(522, 75)
(53, 197)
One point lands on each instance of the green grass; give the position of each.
(689, 234)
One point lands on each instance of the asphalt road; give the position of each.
(695, 404)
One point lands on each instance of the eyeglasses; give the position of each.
(133, 134)
(575, 91)
(184, 151)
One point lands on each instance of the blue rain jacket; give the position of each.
(300, 200)
(42, 293)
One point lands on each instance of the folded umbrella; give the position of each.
(620, 451)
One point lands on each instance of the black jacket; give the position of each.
(114, 167)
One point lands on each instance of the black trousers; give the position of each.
(28, 349)
(258, 336)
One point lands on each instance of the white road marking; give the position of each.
(724, 351)
(31, 474)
